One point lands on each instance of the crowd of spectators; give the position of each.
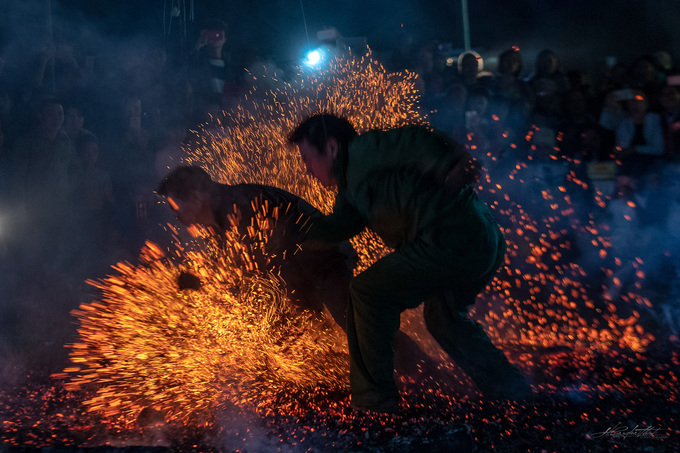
(85, 138)
(605, 137)
(604, 144)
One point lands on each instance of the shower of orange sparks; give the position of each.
(251, 147)
(236, 341)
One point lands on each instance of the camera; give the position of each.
(212, 36)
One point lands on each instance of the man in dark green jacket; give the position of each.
(411, 185)
(314, 278)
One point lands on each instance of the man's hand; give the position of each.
(316, 246)
(465, 171)
(187, 280)
(202, 41)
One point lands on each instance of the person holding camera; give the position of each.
(214, 76)
(640, 140)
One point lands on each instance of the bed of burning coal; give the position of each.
(565, 414)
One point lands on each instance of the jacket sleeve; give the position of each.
(343, 223)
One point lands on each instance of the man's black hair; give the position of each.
(320, 127)
(183, 180)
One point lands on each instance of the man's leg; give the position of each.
(419, 271)
(466, 342)
(377, 297)
(370, 337)
(333, 291)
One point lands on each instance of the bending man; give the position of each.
(411, 186)
(314, 278)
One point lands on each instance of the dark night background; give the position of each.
(583, 32)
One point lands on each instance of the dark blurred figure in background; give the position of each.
(5, 203)
(5, 171)
(6, 114)
(130, 159)
(614, 76)
(471, 71)
(68, 73)
(449, 116)
(644, 76)
(476, 131)
(576, 120)
(212, 69)
(93, 204)
(43, 162)
(548, 67)
(151, 78)
(612, 113)
(404, 54)
(511, 98)
(665, 66)
(74, 122)
(507, 78)
(55, 70)
(640, 137)
(669, 101)
(545, 117)
(581, 80)
(430, 81)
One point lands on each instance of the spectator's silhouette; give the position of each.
(404, 53)
(669, 101)
(449, 116)
(213, 73)
(547, 67)
(92, 201)
(507, 79)
(43, 161)
(644, 76)
(639, 137)
(130, 159)
(74, 122)
(430, 79)
(576, 121)
(471, 71)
